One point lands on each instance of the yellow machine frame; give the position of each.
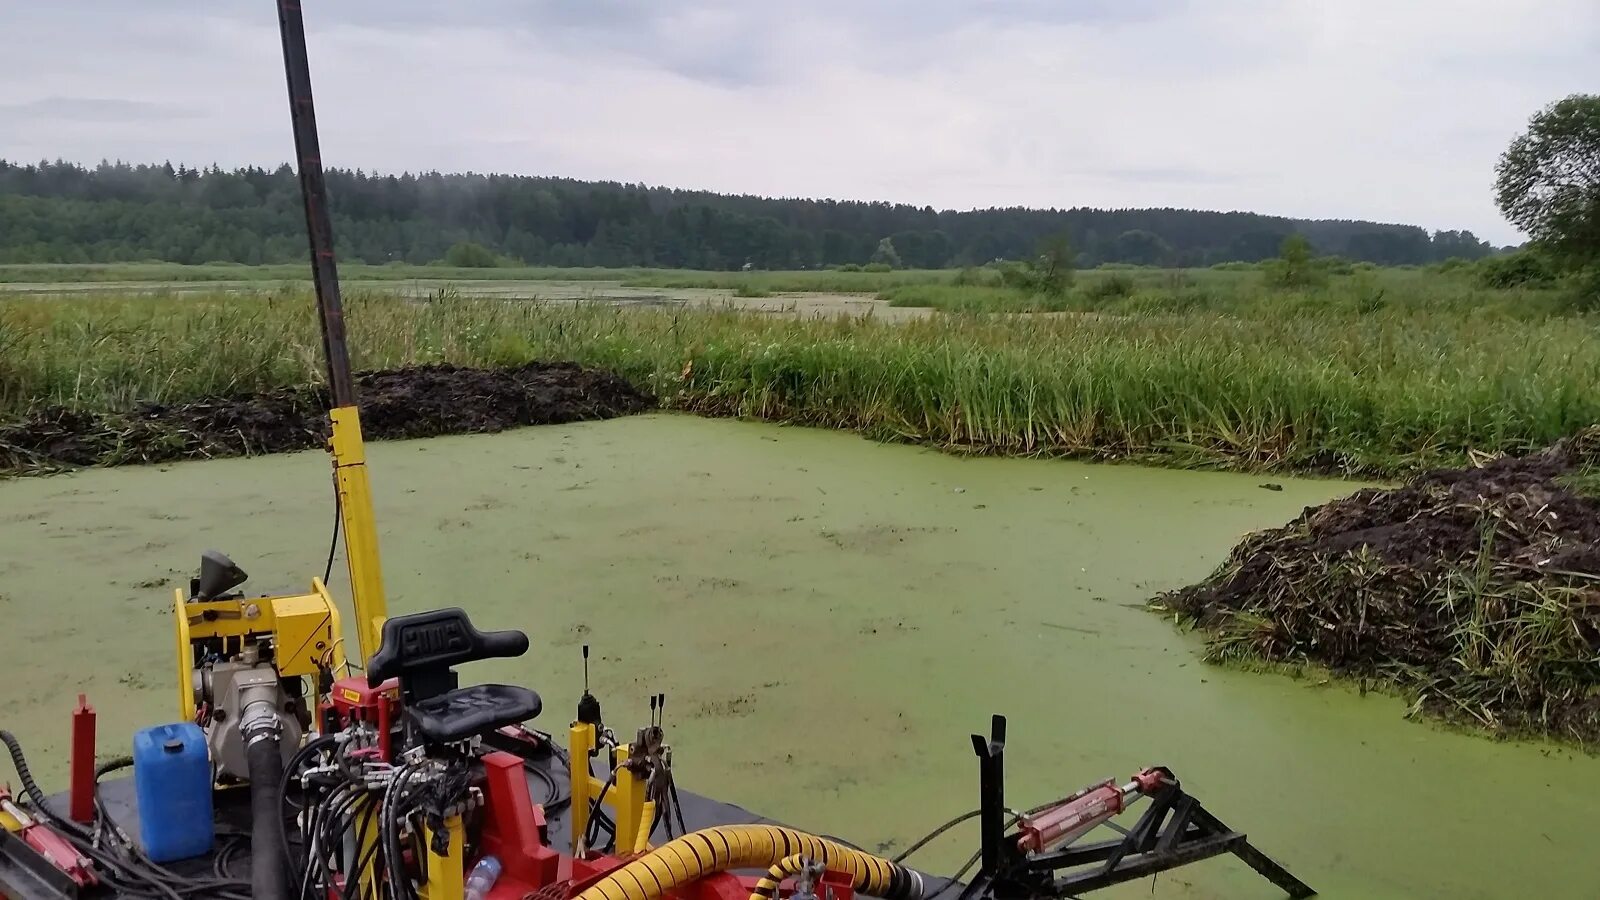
(305, 628)
(634, 813)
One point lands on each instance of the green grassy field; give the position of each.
(1378, 393)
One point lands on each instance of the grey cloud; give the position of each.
(1301, 108)
(1167, 175)
(94, 109)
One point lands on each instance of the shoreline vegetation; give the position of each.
(1359, 377)
(1428, 377)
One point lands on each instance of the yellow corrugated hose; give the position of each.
(729, 847)
(767, 887)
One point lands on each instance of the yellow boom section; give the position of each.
(360, 528)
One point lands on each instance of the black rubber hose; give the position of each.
(31, 787)
(269, 858)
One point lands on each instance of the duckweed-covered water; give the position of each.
(830, 618)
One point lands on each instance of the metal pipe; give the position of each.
(349, 455)
(314, 194)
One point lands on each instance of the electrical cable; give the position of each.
(389, 833)
(333, 543)
(956, 878)
(962, 872)
(29, 786)
(923, 841)
(677, 807)
(300, 756)
(352, 876)
(597, 812)
(555, 799)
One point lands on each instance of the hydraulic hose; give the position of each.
(269, 858)
(728, 847)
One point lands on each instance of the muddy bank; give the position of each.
(1477, 591)
(413, 402)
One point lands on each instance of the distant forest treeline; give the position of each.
(63, 212)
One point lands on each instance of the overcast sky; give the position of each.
(1392, 110)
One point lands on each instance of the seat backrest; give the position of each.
(420, 648)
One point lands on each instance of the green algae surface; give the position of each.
(829, 618)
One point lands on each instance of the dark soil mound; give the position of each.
(1476, 590)
(420, 401)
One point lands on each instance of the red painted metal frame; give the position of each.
(515, 832)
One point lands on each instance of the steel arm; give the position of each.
(349, 455)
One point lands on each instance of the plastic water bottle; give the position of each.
(483, 877)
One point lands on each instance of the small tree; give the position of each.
(1052, 263)
(886, 255)
(1547, 183)
(1048, 272)
(1296, 265)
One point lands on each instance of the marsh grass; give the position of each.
(1378, 394)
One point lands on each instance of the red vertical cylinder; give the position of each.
(82, 801)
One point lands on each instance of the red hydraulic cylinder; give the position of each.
(1075, 815)
(81, 805)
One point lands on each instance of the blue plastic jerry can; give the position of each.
(172, 782)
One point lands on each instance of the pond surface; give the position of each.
(830, 618)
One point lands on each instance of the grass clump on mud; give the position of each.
(1476, 591)
(413, 402)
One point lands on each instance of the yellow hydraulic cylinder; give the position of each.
(360, 528)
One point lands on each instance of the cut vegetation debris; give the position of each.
(418, 401)
(1477, 591)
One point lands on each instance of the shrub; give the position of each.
(1584, 290)
(1112, 287)
(850, 267)
(1525, 268)
(971, 276)
(1035, 279)
(877, 267)
(467, 255)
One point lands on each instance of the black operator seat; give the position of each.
(419, 649)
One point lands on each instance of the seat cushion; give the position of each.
(460, 714)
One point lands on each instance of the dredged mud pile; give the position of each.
(1477, 591)
(413, 402)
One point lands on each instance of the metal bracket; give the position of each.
(1174, 830)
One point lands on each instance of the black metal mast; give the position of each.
(308, 157)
